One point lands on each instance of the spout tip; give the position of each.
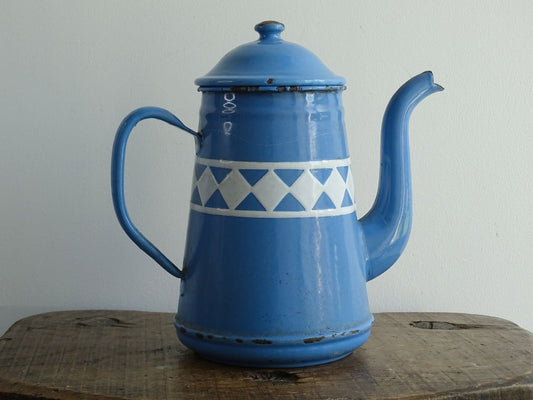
(436, 87)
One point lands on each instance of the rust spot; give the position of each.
(183, 330)
(354, 331)
(199, 336)
(210, 336)
(314, 339)
(239, 340)
(240, 89)
(262, 341)
(270, 80)
(288, 88)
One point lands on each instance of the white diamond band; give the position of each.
(273, 189)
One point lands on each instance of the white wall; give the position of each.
(71, 70)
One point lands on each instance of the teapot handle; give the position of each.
(117, 180)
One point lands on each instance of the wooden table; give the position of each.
(136, 355)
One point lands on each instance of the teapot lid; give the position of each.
(270, 64)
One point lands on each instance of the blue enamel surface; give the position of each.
(117, 180)
(265, 126)
(195, 197)
(296, 284)
(268, 64)
(220, 173)
(251, 203)
(257, 277)
(289, 203)
(322, 174)
(346, 201)
(253, 175)
(388, 223)
(199, 170)
(343, 171)
(323, 203)
(217, 201)
(288, 176)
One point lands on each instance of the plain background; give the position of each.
(71, 70)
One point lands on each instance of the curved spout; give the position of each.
(388, 223)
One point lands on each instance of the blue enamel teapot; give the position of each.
(276, 261)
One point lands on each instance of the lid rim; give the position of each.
(214, 81)
(278, 89)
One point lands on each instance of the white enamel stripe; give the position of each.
(273, 165)
(273, 189)
(277, 214)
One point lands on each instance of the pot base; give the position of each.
(274, 352)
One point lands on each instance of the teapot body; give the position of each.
(276, 262)
(274, 265)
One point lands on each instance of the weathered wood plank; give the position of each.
(91, 355)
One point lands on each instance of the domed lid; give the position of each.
(270, 64)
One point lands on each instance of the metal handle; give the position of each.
(117, 180)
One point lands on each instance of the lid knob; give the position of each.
(269, 30)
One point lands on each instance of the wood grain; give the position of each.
(136, 355)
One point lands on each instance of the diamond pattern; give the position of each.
(343, 171)
(206, 185)
(307, 190)
(195, 198)
(288, 176)
(253, 175)
(220, 173)
(269, 190)
(234, 188)
(289, 203)
(216, 201)
(264, 189)
(250, 203)
(335, 187)
(323, 203)
(349, 183)
(322, 174)
(199, 170)
(347, 200)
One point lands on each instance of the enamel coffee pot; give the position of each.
(276, 261)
